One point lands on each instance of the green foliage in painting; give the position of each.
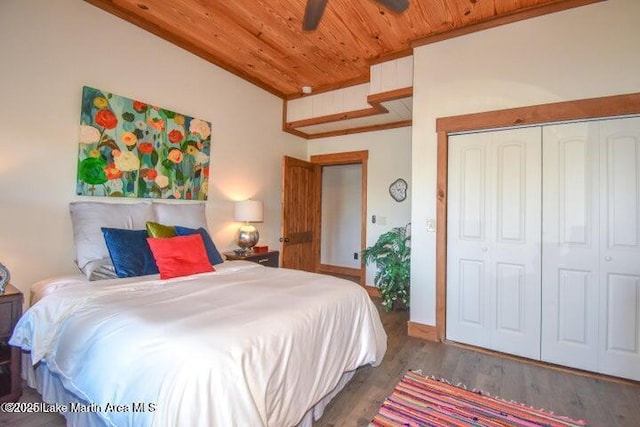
(129, 148)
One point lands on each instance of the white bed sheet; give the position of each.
(243, 346)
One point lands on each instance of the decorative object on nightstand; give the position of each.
(248, 211)
(398, 190)
(268, 259)
(10, 357)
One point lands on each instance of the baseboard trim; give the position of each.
(419, 330)
(336, 269)
(372, 291)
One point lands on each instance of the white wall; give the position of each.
(586, 52)
(49, 50)
(341, 215)
(389, 159)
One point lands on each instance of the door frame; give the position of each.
(592, 108)
(350, 158)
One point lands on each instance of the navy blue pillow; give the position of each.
(130, 253)
(212, 251)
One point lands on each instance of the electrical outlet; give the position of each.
(431, 225)
(355, 255)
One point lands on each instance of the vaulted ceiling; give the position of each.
(263, 42)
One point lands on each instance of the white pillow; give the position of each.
(191, 215)
(88, 217)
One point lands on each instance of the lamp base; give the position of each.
(247, 237)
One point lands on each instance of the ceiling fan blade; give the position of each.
(312, 14)
(395, 5)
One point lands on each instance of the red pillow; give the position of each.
(180, 255)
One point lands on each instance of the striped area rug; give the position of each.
(419, 401)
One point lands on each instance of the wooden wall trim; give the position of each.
(363, 218)
(345, 158)
(419, 330)
(592, 108)
(390, 57)
(608, 106)
(441, 234)
(360, 157)
(350, 131)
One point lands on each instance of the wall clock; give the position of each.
(4, 277)
(398, 190)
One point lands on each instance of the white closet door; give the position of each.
(620, 247)
(467, 239)
(493, 243)
(570, 255)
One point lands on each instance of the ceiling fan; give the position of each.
(315, 8)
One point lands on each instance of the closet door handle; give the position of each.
(485, 249)
(608, 258)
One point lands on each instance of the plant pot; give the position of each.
(398, 305)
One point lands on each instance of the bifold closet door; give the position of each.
(493, 240)
(619, 144)
(570, 251)
(591, 246)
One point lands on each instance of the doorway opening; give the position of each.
(344, 212)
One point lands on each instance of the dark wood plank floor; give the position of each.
(599, 401)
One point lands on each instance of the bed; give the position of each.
(244, 345)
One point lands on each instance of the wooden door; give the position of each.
(300, 230)
(493, 260)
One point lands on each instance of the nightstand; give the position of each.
(10, 357)
(268, 259)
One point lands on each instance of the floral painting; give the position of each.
(129, 148)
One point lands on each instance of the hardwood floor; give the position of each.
(601, 402)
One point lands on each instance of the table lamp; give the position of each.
(248, 211)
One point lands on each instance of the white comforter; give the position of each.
(243, 346)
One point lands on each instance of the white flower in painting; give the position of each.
(141, 124)
(127, 161)
(162, 181)
(201, 127)
(115, 185)
(89, 134)
(200, 157)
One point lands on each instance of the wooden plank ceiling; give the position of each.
(263, 42)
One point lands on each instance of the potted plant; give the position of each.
(392, 254)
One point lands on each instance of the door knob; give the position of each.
(484, 249)
(608, 258)
(284, 239)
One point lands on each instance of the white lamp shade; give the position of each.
(248, 211)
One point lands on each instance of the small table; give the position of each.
(10, 357)
(268, 259)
